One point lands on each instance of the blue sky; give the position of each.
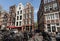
(7, 3)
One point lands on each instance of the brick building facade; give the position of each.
(49, 15)
(29, 17)
(24, 17)
(12, 15)
(3, 19)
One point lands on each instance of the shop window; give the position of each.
(30, 28)
(27, 28)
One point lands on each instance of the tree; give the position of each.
(36, 25)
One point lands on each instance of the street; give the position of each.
(39, 38)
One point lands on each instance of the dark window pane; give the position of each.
(20, 17)
(17, 12)
(21, 12)
(16, 23)
(53, 28)
(49, 29)
(17, 17)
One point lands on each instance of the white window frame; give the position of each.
(55, 6)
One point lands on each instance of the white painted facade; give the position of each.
(50, 26)
(19, 15)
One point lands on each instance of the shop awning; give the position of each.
(13, 27)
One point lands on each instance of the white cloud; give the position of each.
(35, 10)
(35, 14)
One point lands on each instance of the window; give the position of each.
(57, 24)
(17, 12)
(30, 22)
(46, 8)
(26, 15)
(48, 24)
(17, 17)
(20, 23)
(58, 28)
(26, 21)
(56, 15)
(49, 0)
(29, 15)
(27, 28)
(19, 7)
(54, 6)
(30, 10)
(45, 1)
(59, 14)
(2, 15)
(20, 17)
(52, 16)
(50, 7)
(30, 28)
(49, 28)
(47, 17)
(21, 12)
(16, 23)
(53, 28)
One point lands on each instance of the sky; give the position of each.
(7, 3)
